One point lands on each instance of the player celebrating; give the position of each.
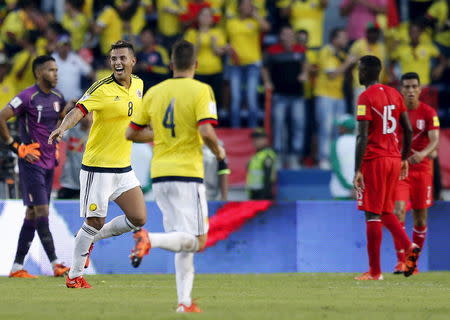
(38, 109)
(181, 112)
(417, 187)
(106, 172)
(379, 164)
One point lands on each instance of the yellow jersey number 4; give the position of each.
(168, 121)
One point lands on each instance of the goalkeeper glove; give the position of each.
(22, 150)
(222, 167)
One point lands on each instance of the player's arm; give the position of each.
(69, 121)
(137, 133)
(5, 114)
(209, 136)
(407, 134)
(418, 156)
(223, 184)
(361, 144)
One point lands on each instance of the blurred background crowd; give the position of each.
(287, 65)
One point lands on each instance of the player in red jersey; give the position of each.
(379, 163)
(417, 187)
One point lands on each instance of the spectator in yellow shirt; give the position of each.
(17, 23)
(76, 23)
(306, 15)
(333, 63)
(109, 27)
(417, 57)
(7, 88)
(244, 33)
(370, 45)
(169, 25)
(231, 8)
(438, 16)
(211, 46)
(22, 72)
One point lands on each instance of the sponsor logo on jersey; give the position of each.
(420, 123)
(56, 106)
(116, 98)
(361, 110)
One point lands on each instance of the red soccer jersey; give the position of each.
(381, 105)
(423, 119)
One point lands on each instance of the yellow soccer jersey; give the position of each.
(329, 61)
(174, 109)
(110, 20)
(245, 38)
(112, 106)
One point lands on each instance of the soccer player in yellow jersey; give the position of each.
(106, 172)
(178, 115)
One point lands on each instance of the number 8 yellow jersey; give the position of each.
(112, 106)
(174, 109)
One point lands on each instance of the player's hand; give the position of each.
(358, 181)
(28, 152)
(404, 170)
(222, 167)
(56, 135)
(221, 155)
(417, 157)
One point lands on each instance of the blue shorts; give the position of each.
(35, 183)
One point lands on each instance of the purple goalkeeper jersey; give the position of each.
(37, 114)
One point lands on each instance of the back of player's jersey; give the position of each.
(175, 108)
(381, 106)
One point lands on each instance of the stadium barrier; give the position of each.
(302, 236)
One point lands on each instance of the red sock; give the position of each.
(399, 248)
(374, 236)
(391, 222)
(419, 234)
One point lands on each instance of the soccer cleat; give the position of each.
(22, 274)
(368, 276)
(192, 308)
(59, 270)
(78, 282)
(88, 258)
(400, 268)
(412, 255)
(141, 248)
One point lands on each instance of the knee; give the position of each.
(96, 223)
(138, 221)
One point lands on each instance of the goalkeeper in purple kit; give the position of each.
(38, 110)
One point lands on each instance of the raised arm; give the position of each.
(69, 121)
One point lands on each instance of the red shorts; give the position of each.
(417, 188)
(381, 176)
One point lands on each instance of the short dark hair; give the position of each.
(39, 61)
(183, 55)
(122, 44)
(372, 65)
(335, 32)
(410, 76)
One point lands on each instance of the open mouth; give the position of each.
(119, 70)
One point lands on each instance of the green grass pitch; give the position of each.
(230, 296)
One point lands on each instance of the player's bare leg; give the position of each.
(400, 212)
(374, 236)
(26, 237)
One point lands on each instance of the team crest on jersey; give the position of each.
(420, 124)
(139, 93)
(56, 106)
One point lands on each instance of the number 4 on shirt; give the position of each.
(168, 121)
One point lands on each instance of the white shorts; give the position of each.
(98, 188)
(183, 205)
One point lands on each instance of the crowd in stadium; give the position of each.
(246, 49)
